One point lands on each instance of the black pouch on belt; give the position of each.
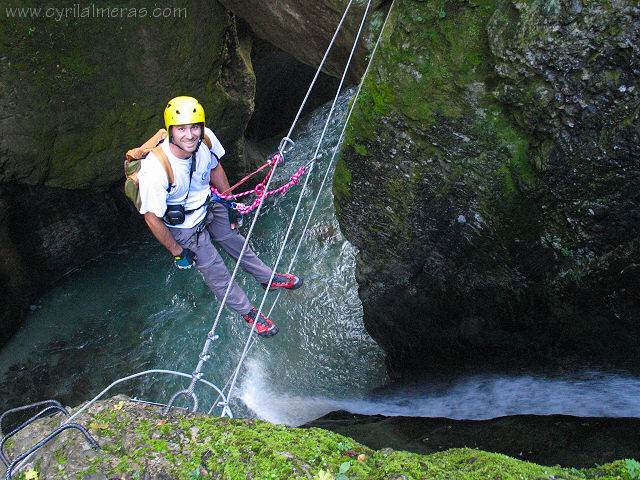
(174, 215)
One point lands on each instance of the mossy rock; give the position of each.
(488, 178)
(137, 441)
(80, 85)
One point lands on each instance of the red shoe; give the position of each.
(264, 327)
(284, 280)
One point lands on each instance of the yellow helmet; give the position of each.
(183, 111)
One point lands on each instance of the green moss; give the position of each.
(613, 76)
(123, 465)
(375, 100)
(250, 451)
(90, 99)
(9, 444)
(517, 170)
(361, 150)
(341, 182)
(199, 446)
(60, 457)
(159, 445)
(423, 66)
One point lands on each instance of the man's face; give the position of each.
(186, 136)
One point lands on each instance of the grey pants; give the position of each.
(209, 262)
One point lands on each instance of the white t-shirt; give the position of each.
(153, 182)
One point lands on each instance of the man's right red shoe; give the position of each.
(264, 326)
(284, 280)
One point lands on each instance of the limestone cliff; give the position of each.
(80, 85)
(490, 180)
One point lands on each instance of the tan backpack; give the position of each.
(132, 163)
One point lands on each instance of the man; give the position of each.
(183, 219)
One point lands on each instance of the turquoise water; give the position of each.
(131, 310)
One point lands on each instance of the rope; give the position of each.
(344, 129)
(260, 189)
(335, 151)
(226, 194)
(204, 356)
(281, 149)
(27, 407)
(237, 184)
(226, 412)
(302, 191)
(313, 82)
(19, 461)
(135, 375)
(249, 345)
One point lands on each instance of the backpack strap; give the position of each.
(159, 153)
(139, 152)
(164, 161)
(207, 141)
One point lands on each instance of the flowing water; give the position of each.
(130, 310)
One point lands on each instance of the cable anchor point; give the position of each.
(286, 145)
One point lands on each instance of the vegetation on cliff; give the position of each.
(489, 178)
(81, 84)
(138, 442)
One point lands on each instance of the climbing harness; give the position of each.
(259, 189)
(223, 399)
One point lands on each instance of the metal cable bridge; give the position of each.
(224, 395)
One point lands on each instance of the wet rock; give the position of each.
(548, 440)
(278, 451)
(304, 29)
(494, 197)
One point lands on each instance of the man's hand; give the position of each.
(186, 259)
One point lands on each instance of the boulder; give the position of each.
(304, 29)
(490, 179)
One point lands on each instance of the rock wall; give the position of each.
(304, 28)
(490, 180)
(281, 85)
(80, 85)
(565, 440)
(78, 91)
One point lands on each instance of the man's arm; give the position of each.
(162, 233)
(219, 179)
